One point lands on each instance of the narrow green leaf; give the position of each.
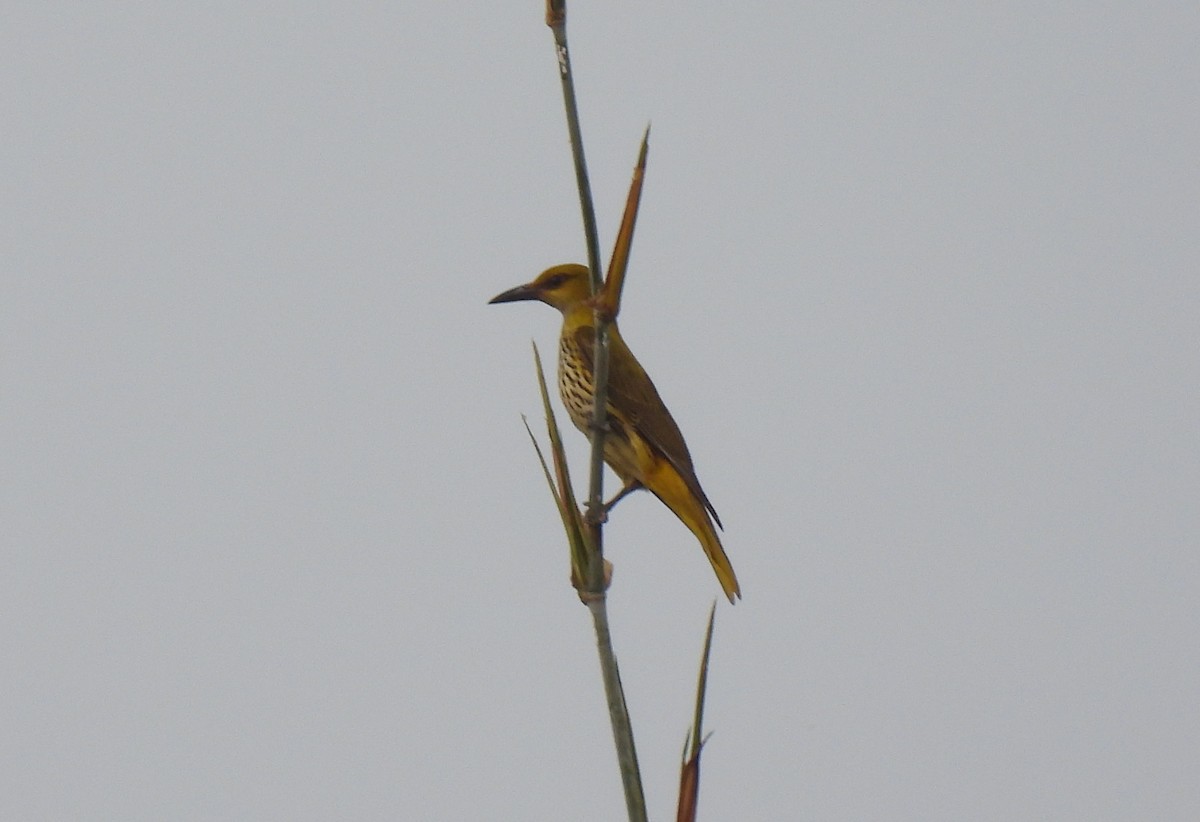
(689, 772)
(577, 538)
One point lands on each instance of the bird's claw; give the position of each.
(596, 515)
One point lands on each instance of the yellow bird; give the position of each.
(643, 445)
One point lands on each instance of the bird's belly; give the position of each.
(574, 385)
(624, 451)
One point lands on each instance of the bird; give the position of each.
(643, 444)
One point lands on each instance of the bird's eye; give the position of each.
(554, 282)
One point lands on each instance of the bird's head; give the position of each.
(565, 287)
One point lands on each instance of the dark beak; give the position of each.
(521, 292)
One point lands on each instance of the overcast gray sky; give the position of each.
(921, 285)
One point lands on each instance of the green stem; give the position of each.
(635, 799)
(631, 777)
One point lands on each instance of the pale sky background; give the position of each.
(920, 283)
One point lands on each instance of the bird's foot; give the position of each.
(595, 516)
(599, 516)
(633, 485)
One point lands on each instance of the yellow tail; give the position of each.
(669, 487)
